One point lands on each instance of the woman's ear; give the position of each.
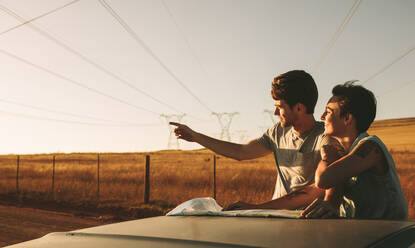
(348, 119)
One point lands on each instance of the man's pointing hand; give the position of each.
(184, 132)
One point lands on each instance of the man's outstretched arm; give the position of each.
(293, 200)
(251, 150)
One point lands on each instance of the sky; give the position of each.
(102, 75)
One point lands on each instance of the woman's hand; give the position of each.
(320, 209)
(331, 153)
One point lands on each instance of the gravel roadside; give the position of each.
(18, 224)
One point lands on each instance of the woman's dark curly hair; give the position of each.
(356, 100)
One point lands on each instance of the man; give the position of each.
(366, 175)
(295, 141)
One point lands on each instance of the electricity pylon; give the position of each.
(263, 129)
(242, 136)
(270, 114)
(172, 137)
(225, 120)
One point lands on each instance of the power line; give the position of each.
(134, 35)
(69, 114)
(67, 121)
(81, 56)
(38, 17)
(400, 86)
(337, 34)
(75, 82)
(202, 68)
(389, 65)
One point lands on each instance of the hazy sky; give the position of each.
(79, 81)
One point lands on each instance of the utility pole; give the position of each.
(173, 141)
(225, 120)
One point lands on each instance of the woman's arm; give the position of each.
(367, 155)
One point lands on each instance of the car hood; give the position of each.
(208, 231)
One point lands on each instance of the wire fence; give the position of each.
(127, 180)
(167, 178)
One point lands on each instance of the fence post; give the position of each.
(53, 178)
(17, 174)
(214, 177)
(98, 179)
(147, 180)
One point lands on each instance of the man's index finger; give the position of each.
(175, 123)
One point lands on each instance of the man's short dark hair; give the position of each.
(356, 100)
(295, 87)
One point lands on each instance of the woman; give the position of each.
(360, 177)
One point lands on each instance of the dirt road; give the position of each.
(21, 224)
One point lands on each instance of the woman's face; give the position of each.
(334, 124)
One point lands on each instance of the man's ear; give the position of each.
(299, 107)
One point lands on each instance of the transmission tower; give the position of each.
(225, 120)
(263, 129)
(242, 136)
(173, 141)
(270, 114)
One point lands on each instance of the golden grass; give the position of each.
(405, 163)
(175, 176)
(397, 134)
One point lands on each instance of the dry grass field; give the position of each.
(175, 176)
(399, 137)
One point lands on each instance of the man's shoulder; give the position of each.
(319, 127)
(318, 130)
(274, 128)
(269, 136)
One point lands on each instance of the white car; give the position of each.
(208, 226)
(218, 231)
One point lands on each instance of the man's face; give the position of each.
(284, 113)
(333, 123)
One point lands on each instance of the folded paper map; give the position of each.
(208, 206)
